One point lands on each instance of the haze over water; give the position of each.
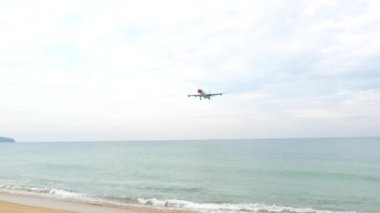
(266, 175)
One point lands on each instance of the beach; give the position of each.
(16, 203)
(17, 208)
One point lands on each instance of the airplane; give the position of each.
(202, 94)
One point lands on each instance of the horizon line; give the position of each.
(199, 139)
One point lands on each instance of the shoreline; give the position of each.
(19, 203)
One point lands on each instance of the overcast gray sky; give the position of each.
(121, 70)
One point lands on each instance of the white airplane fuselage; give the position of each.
(203, 94)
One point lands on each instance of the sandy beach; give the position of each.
(6, 207)
(15, 203)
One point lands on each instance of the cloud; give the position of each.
(121, 69)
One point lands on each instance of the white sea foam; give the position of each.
(162, 204)
(227, 208)
(60, 195)
(42, 192)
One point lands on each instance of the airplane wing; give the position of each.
(193, 95)
(214, 94)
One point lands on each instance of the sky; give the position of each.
(121, 70)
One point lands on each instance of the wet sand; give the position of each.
(15, 203)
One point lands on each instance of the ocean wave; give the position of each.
(63, 195)
(230, 208)
(39, 191)
(161, 204)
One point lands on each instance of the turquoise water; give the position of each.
(268, 175)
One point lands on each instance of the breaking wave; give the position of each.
(39, 191)
(161, 204)
(226, 208)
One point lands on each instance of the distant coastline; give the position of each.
(7, 140)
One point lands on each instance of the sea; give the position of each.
(317, 175)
